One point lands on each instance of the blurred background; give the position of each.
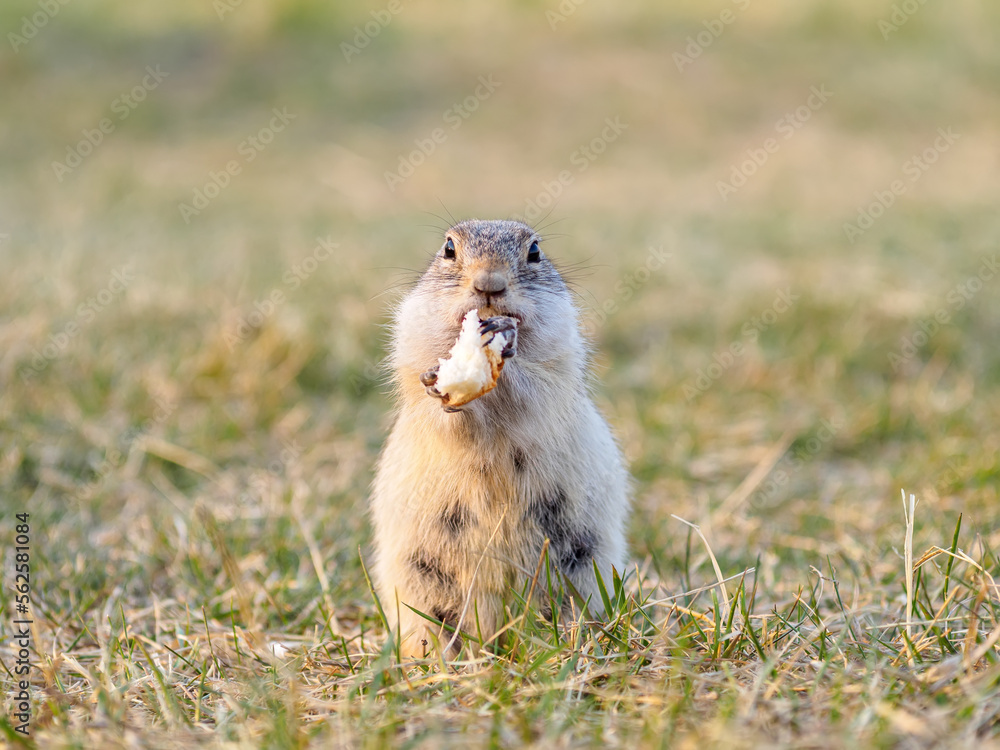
(780, 220)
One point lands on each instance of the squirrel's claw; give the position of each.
(429, 380)
(501, 323)
(432, 391)
(505, 325)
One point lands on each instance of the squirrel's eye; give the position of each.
(534, 254)
(449, 249)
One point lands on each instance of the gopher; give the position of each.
(464, 497)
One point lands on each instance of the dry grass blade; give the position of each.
(178, 455)
(468, 594)
(715, 565)
(764, 466)
(908, 513)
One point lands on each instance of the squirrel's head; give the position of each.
(500, 268)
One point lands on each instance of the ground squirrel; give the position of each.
(464, 497)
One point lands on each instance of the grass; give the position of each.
(197, 487)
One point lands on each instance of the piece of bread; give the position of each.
(473, 365)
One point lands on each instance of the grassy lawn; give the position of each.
(785, 250)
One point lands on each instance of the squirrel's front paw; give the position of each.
(429, 380)
(505, 325)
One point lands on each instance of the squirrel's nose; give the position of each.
(490, 282)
